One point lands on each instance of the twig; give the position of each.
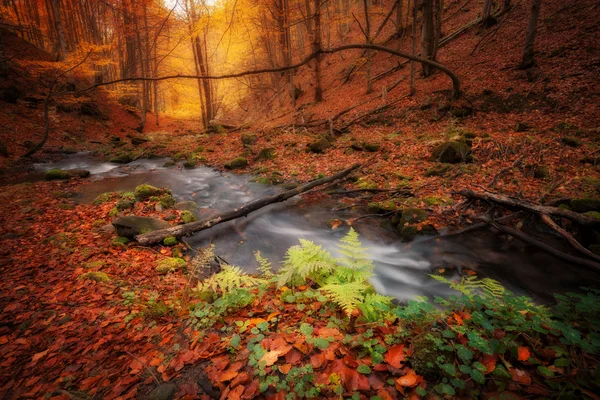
(568, 237)
(145, 366)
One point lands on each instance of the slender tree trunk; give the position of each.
(399, 26)
(413, 65)
(316, 46)
(368, 41)
(428, 36)
(528, 53)
(61, 39)
(486, 15)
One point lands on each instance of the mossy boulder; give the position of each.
(249, 139)
(541, 172)
(169, 164)
(425, 356)
(165, 200)
(124, 158)
(410, 231)
(138, 140)
(319, 146)
(125, 204)
(94, 276)
(571, 142)
(170, 264)
(413, 215)
(452, 152)
(120, 241)
(592, 214)
(237, 163)
(60, 174)
(265, 154)
(145, 191)
(438, 170)
(371, 147)
(187, 217)
(131, 225)
(585, 204)
(382, 207)
(188, 206)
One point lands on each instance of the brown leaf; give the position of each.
(395, 356)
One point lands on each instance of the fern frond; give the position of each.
(307, 260)
(471, 285)
(229, 278)
(356, 265)
(264, 265)
(348, 295)
(374, 306)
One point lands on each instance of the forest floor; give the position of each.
(84, 316)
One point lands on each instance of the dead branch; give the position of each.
(540, 210)
(568, 237)
(541, 245)
(193, 227)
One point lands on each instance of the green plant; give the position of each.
(264, 266)
(229, 279)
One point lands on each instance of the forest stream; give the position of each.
(401, 271)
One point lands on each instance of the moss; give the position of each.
(237, 163)
(425, 356)
(541, 172)
(382, 207)
(94, 276)
(265, 154)
(124, 204)
(188, 216)
(57, 174)
(170, 241)
(98, 222)
(434, 201)
(571, 142)
(145, 191)
(113, 212)
(169, 164)
(565, 207)
(585, 204)
(66, 206)
(120, 241)
(319, 146)
(190, 164)
(166, 200)
(124, 158)
(170, 265)
(371, 147)
(94, 264)
(249, 139)
(365, 183)
(438, 170)
(592, 214)
(103, 198)
(414, 215)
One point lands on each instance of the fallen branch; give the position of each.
(193, 227)
(541, 245)
(540, 210)
(569, 238)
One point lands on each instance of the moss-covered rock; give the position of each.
(170, 241)
(94, 276)
(131, 225)
(357, 146)
(585, 204)
(414, 215)
(169, 164)
(265, 154)
(249, 139)
(438, 170)
(120, 241)
(541, 172)
(452, 152)
(410, 231)
(425, 356)
(57, 174)
(137, 140)
(371, 147)
(187, 206)
(165, 200)
(187, 217)
(145, 191)
(237, 163)
(571, 142)
(592, 214)
(319, 146)
(124, 158)
(190, 164)
(170, 265)
(382, 207)
(104, 197)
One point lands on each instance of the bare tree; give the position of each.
(528, 53)
(427, 35)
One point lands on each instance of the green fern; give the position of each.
(264, 265)
(228, 279)
(374, 306)
(355, 265)
(347, 295)
(470, 286)
(307, 260)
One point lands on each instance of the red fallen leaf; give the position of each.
(3, 339)
(293, 357)
(227, 375)
(384, 394)
(316, 360)
(240, 379)
(411, 379)
(32, 381)
(39, 355)
(524, 353)
(329, 332)
(375, 381)
(520, 376)
(236, 393)
(395, 356)
(252, 390)
(285, 368)
(458, 318)
(489, 361)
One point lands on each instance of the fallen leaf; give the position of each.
(524, 353)
(395, 356)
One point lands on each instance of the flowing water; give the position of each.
(401, 270)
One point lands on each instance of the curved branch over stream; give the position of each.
(193, 227)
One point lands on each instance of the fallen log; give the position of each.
(541, 245)
(569, 238)
(540, 210)
(158, 236)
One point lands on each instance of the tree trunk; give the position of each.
(399, 26)
(61, 39)
(427, 36)
(193, 227)
(316, 46)
(528, 53)
(413, 66)
(368, 40)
